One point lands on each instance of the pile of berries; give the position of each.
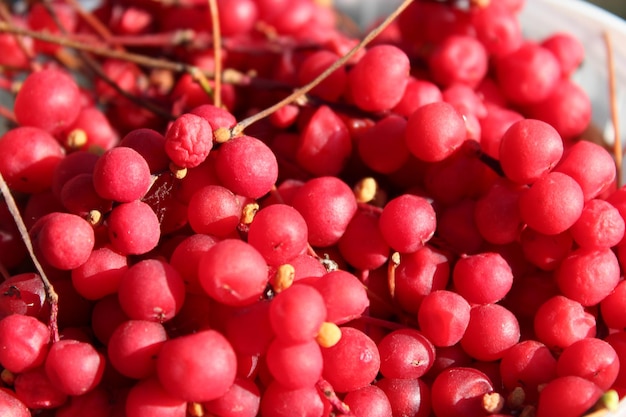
(426, 230)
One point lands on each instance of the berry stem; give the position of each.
(329, 393)
(217, 52)
(101, 50)
(299, 93)
(51, 295)
(617, 140)
(394, 261)
(7, 114)
(91, 20)
(4, 272)
(95, 67)
(6, 16)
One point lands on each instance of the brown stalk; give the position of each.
(617, 140)
(301, 92)
(91, 20)
(51, 295)
(6, 16)
(95, 67)
(217, 51)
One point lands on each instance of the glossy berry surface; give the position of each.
(246, 212)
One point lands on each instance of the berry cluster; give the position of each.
(423, 231)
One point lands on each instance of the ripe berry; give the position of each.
(233, 272)
(434, 131)
(458, 60)
(189, 140)
(407, 223)
(151, 290)
(133, 228)
(279, 233)
(121, 174)
(324, 145)
(327, 205)
(65, 240)
(528, 74)
(552, 204)
(23, 343)
(352, 363)
(197, 367)
(48, 99)
(28, 159)
(74, 367)
(297, 313)
(529, 149)
(482, 278)
(378, 80)
(246, 166)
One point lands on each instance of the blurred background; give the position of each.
(614, 6)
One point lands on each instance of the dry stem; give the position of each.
(6, 16)
(217, 52)
(617, 140)
(51, 295)
(300, 92)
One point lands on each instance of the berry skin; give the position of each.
(233, 272)
(378, 80)
(560, 321)
(28, 159)
(247, 166)
(151, 290)
(443, 317)
(434, 131)
(279, 233)
(230, 266)
(327, 205)
(121, 174)
(49, 100)
(528, 74)
(459, 60)
(458, 391)
(198, 367)
(133, 228)
(567, 396)
(65, 240)
(407, 222)
(529, 149)
(482, 278)
(588, 276)
(352, 363)
(552, 204)
(491, 331)
(23, 343)
(324, 145)
(405, 354)
(189, 140)
(74, 367)
(297, 313)
(12, 405)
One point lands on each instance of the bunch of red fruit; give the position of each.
(426, 232)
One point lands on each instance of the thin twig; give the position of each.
(51, 295)
(329, 393)
(95, 67)
(217, 53)
(98, 50)
(4, 272)
(300, 92)
(6, 16)
(7, 114)
(95, 23)
(617, 140)
(229, 75)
